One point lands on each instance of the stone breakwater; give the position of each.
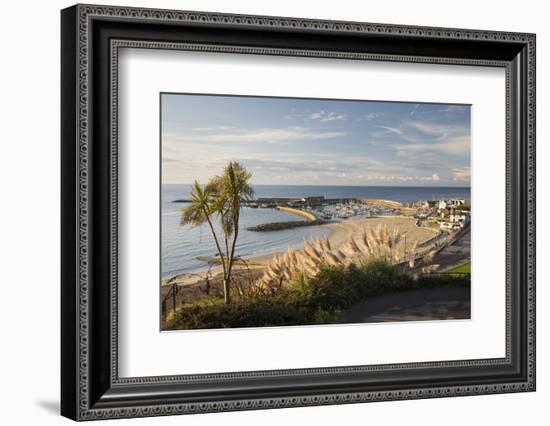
(277, 226)
(311, 220)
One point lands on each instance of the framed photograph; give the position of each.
(263, 212)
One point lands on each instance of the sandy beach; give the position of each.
(340, 233)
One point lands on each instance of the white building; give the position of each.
(462, 219)
(458, 202)
(456, 218)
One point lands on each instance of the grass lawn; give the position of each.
(462, 269)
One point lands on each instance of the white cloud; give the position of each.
(461, 174)
(270, 135)
(324, 116)
(455, 146)
(369, 116)
(392, 130)
(453, 109)
(436, 129)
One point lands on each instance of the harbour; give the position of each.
(184, 246)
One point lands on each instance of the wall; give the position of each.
(29, 211)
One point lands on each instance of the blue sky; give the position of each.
(286, 141)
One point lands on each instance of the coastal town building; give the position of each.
(446, 225)
(459, 218)
(455, 221)
(458, 202)
(451, 214)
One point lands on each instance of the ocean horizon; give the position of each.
(181, 246)
(398, 192)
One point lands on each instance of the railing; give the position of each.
(170, 300)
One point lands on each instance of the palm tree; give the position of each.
(222, 197)
(200, 211)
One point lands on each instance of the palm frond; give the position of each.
(196, 213)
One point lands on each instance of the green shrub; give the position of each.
(317, 300)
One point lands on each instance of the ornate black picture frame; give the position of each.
(91, 37)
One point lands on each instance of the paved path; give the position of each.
(413, 305)
(454, 255)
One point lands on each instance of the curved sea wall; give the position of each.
(307, 215)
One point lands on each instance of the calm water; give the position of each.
(182, 245)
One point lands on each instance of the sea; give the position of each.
(184, 248)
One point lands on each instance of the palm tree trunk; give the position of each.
(220, 252)
(230, 260)
(226, 274)
(226, 290)
(226, 241)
